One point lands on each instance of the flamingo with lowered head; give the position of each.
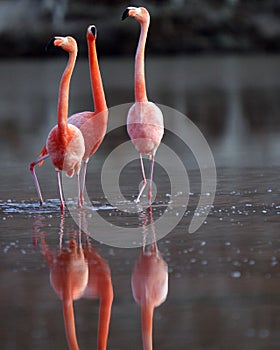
(145, 119)
(65, 143)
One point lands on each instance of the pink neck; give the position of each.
(63, 98)
(95, 77)
(139, 78)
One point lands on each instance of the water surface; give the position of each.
(224, 282)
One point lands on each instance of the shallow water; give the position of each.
(224, 279)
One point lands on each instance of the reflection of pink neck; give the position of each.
(69, 323)
(147, 311)
(100, 286)
(104, 319)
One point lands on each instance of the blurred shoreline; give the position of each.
(177, 26)
(233, 100)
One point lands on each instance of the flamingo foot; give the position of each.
(144, 183)
(62, 206)
(81, 201)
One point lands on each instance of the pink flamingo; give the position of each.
(65, 142)
(93, 125)
(144, 120)
(149, 283)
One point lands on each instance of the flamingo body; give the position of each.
(93, 127)
(66, 151)
(145, 126)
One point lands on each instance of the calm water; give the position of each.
(224, 280)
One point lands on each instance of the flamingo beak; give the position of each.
(93, 30)
(50, 43)
(125, 14)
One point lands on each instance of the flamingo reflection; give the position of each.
(149, 281)
(99, 286)
(76, 271)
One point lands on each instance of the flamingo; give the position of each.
(93, 125)
(145, 119)
(149, 282)
(65, 142)
(69, 278)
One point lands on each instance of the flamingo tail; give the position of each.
(43, 153)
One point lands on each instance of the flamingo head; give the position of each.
(67, 43)
(92, 32)
(139, 13)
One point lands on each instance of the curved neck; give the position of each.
(95, 78)
(139, 78)
(63, 98)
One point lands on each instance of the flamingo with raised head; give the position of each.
(65, 143)
(93, 125)
(145, 119)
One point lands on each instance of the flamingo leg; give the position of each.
(62, 205)
(79, 191)
(151, 178)
(144, 180)
(37, 185)
(83, 181)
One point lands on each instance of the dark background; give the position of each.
(177, 26)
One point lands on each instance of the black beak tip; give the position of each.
(49, 44)
(125, 14)
(93, 30)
